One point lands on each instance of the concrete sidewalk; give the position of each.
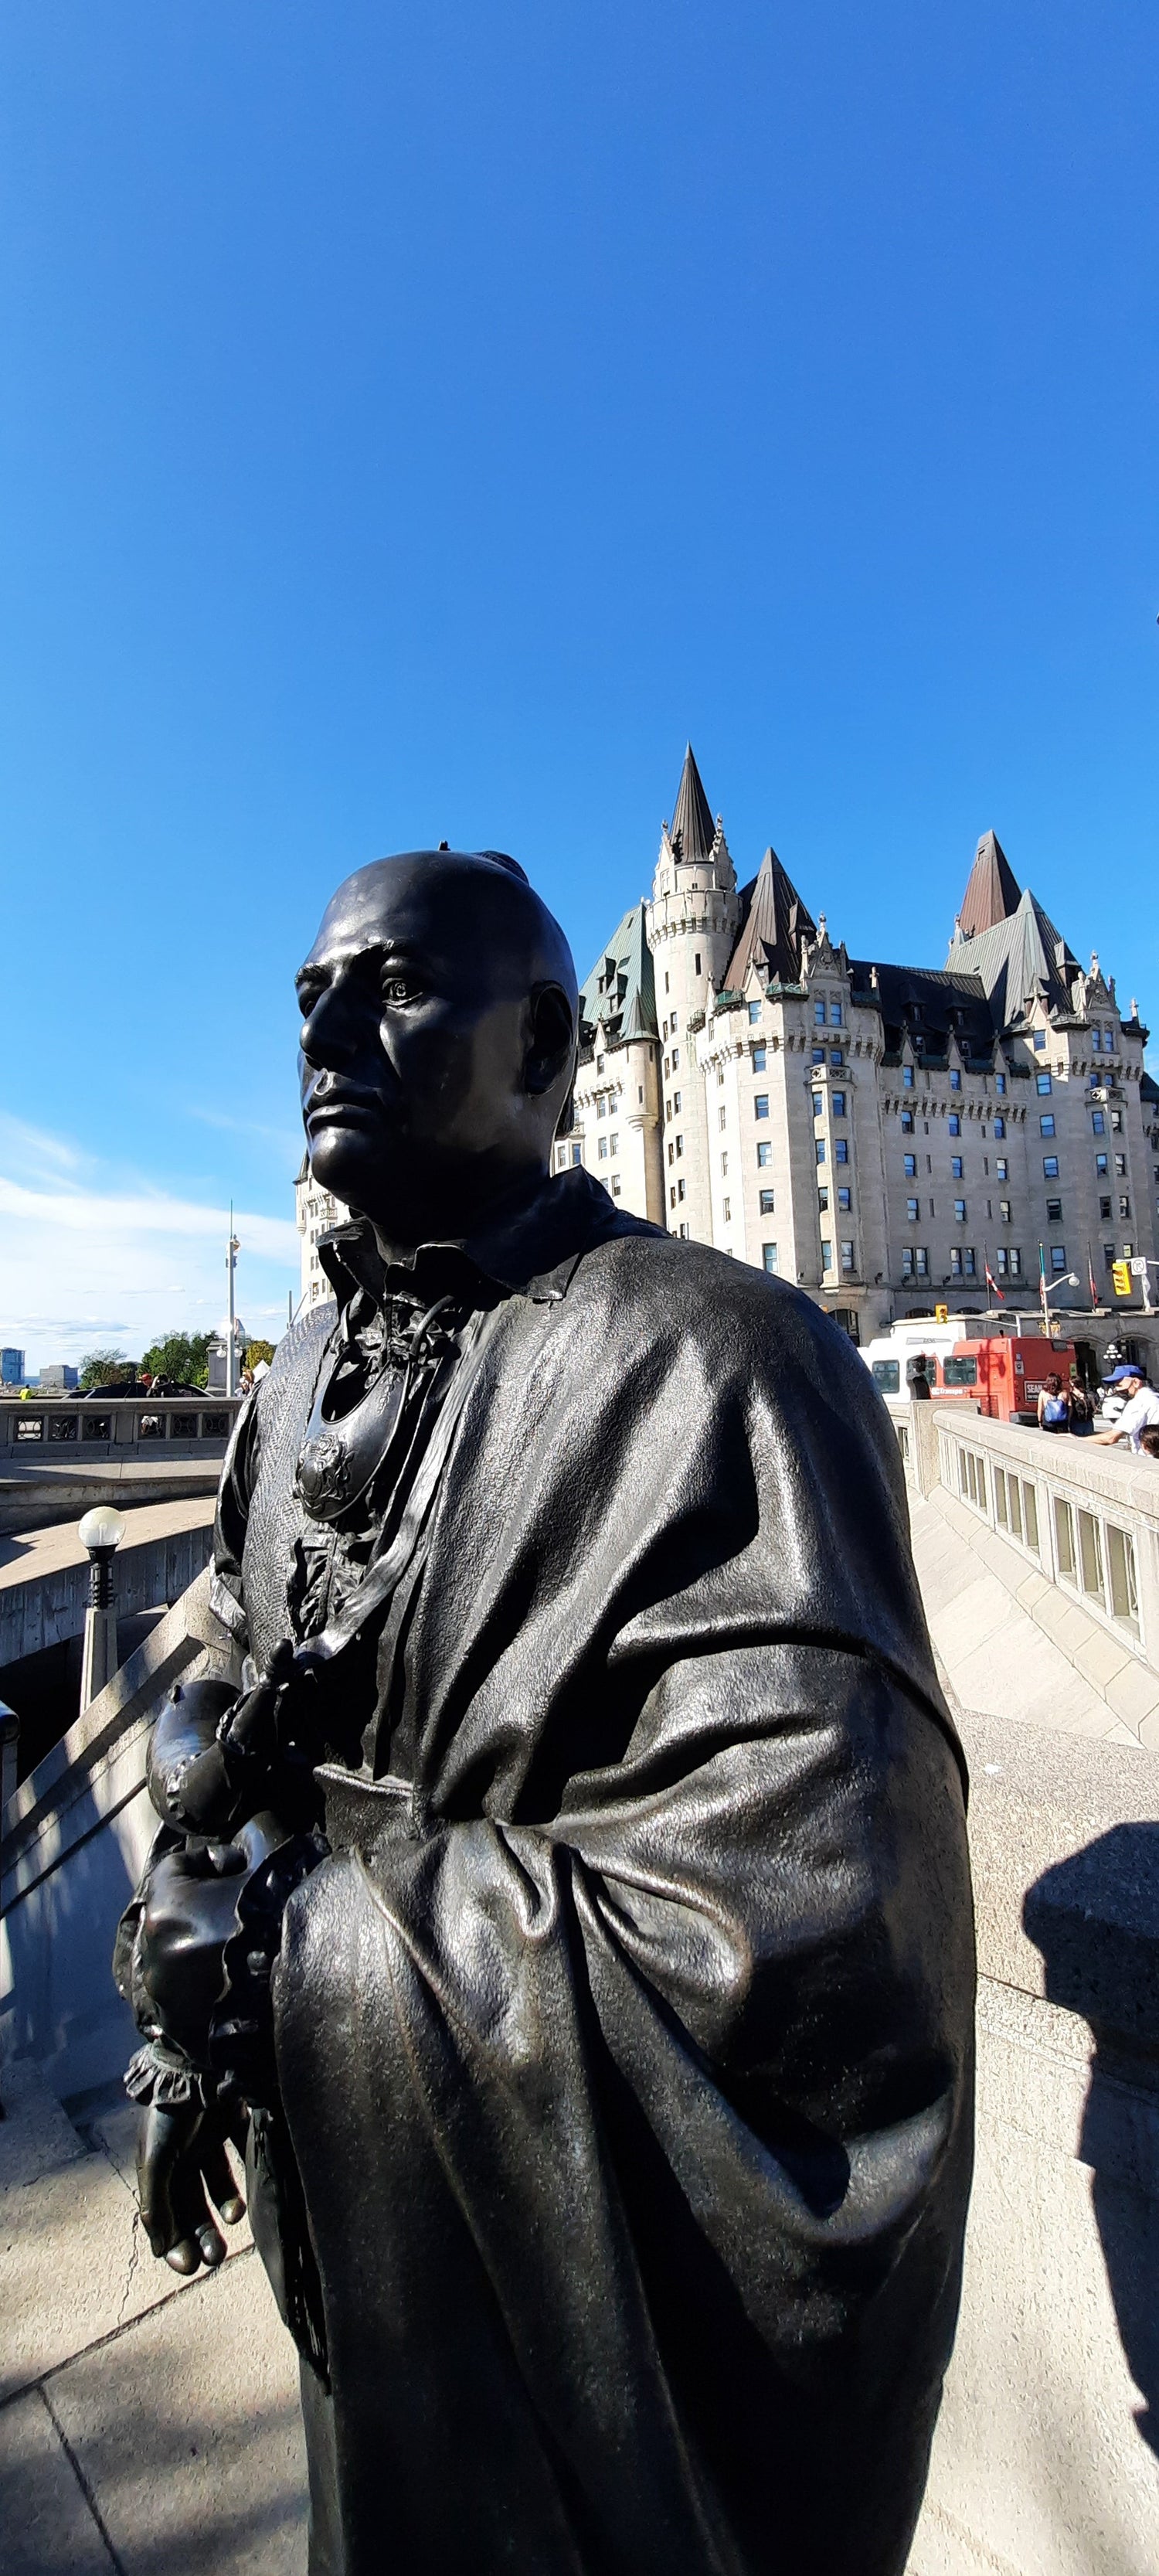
(147, 2425)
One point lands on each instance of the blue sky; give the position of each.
(415, 421)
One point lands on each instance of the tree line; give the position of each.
(183, 1356)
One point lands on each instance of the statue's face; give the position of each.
(420, 1096)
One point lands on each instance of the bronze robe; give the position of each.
(624, 2041)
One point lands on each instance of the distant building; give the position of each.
(314, 1212)
(58, 1378)
(11, 1368)
(880, 1134)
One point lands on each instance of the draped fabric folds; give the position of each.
(624, 2039)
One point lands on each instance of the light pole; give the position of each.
(101, 1532)
(231, 1338)
(1069, 1279)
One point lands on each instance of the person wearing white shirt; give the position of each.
(1141, 1407)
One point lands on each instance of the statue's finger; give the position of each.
(220, 2184)
(182, 2257)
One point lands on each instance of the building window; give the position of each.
(912, 1210)
(959, 1211)
(1058, 1257)
(1001, 1168)
(764, 1157)
(759, 1056)
(841, 1150)
(839, 1104)
(671, 1151)
(823, 1199)
(1015, 1262)
(726, 1205)
(955, 1262)
(1000, 1129)
(1120, 1167)
(847, 1261)
(675, 1058)
(971, 1260)
(921, 1261)
(836, 1014)
(672, 1195)
(907, 1077)
(1109, 1255)
(769, 1255)
(1039, 1041)
(761, 1104)
(1124, 1207)
(722, 1119)
(615, 1185)
(910, 1166)
(601, 1107)
(955, 1167)
(819, 1149)
(680, 1189)
(577, 1154)
(954, 1123)
(837, 1058)
(666, 988)
(767, 1200)
(818, 1055)
(724, 1165)
(1104, 1209)
(613, 1144)
(1050, 1167)
(1098, 1122)
(1096, 1041)
(1116, 1122)
(819, 1014)
(673, 1024)
(1046, 1125)
(1102, 1166)
(754, 1011)
(845, 1200)
(679, 1147)
(1000, 1083)
(826, 1255)
(599, 1064)
(682, 1231)
(603, 1149)
(1054, 1211)
(696, 968)
(675, 1104)
(955, 1081)
(907, 1262)
(1042, 1084)
(818, 1104)
(907, 1122)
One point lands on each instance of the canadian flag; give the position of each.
(991, 1282)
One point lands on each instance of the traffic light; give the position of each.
(941, 1314)
(1121, 1278)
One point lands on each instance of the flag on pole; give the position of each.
(1042, 1290)
(992, 1284)
(1091, 1278)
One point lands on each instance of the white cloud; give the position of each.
(81, 1265)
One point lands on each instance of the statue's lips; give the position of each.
(342, 1108)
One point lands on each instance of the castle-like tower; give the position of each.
(691, 928)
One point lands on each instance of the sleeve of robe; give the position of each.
(656, 2039)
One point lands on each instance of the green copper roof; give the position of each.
(619, 995)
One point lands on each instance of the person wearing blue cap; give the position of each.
(1141, 1407)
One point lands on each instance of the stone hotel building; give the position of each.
(881, 1134)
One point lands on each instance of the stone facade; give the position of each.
(881, 1134)
(314, 1211)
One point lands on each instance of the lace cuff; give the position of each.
(159, 2079)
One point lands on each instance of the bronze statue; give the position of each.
(572, 1908)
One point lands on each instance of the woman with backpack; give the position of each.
(1054, 1405)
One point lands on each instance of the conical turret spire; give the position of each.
(693, 830)
(776, 924)
(992, 891)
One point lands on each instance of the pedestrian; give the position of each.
(1054, 1404)
(1081, 1408)
(1140, 1409)
(919, 1384)
(1149, 1440)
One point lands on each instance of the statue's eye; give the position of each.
(399, 988)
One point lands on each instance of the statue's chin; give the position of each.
(342, 1162)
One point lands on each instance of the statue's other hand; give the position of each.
(182, 2166)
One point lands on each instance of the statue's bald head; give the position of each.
(438, 1041)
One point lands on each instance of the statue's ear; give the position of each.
(552, 1038)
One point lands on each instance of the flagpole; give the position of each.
(1042, 1292)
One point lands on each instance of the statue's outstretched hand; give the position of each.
(181, 2167)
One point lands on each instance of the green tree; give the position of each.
(181, 1355)
(106, 1368)
(255, 1351)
